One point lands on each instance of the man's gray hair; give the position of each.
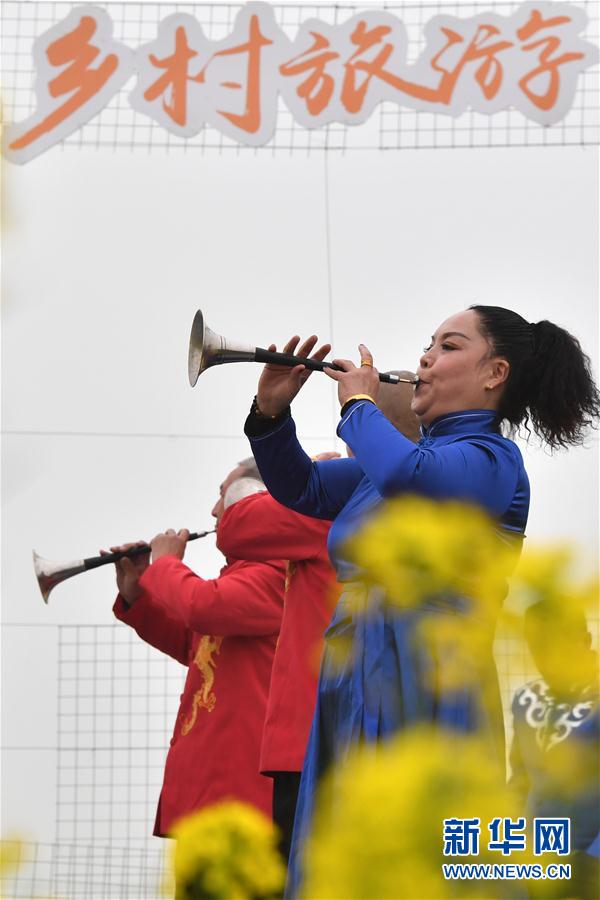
(250, 469)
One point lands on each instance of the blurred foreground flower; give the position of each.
(383, 836)
(557, 635)
(227, 852)
(452, 557)
(416, 548)
(11, 852)
(553, 575)
(441, 557)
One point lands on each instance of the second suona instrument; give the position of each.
(207, 348)
(49, 574)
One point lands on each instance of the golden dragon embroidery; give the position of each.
(290, 571)
(204, 698)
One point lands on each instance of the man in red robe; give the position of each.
(259, 527)
(225, 631)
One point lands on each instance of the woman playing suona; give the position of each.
(486, 369)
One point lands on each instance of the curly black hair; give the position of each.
(550, 383)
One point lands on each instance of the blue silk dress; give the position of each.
(387, 686)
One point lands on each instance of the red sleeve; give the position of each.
(156, 625)
(260, 528)
(246, 599)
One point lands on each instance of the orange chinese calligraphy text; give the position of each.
(74, 51)
(175, 77)
(488, 73)
(250, 119)
(549, 65)
(317, 88)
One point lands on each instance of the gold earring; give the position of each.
(488, 387)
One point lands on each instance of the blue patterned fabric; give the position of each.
(555, 737)
(389, 684)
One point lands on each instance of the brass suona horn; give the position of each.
(49, 574)
(207, 348)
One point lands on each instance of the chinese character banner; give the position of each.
(257, 75)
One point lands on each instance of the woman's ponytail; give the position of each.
(550, 385)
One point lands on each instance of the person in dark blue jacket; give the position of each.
(485, 368)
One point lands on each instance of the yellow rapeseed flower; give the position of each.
(227, 852)
(11, 853)
(421, 551)
(415, 548)
(383, 837)
(544, 573)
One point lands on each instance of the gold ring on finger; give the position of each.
(367, 362)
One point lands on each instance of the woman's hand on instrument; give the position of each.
(363, 379)
(278, 385)
(169, 543)
(129, 570)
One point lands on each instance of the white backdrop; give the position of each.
(107, 255)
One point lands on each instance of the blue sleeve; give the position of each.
(480, 469)
(317, 489)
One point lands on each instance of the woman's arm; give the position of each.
(482, 469)
(317, 489)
